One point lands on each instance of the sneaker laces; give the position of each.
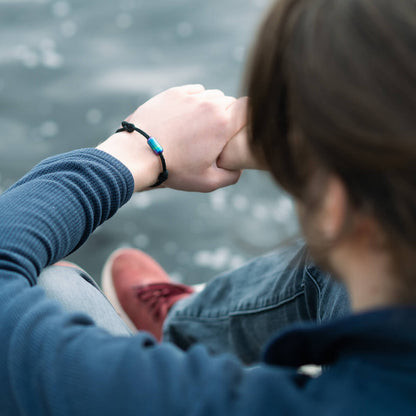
(160, 297)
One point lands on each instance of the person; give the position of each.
(331, 87)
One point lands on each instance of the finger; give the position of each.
(213, 94)
(233, 156)
(194, 88)
(228, 102)
(223, 177)
(224, 103)
(238, 115)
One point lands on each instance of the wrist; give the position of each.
(136, 155)
(153, 144)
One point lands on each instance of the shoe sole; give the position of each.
(110, 292)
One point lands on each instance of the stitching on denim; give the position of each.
(314, 280)
(268, 307)
(224, 315)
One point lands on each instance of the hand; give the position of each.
(237, 154)
(193, 125)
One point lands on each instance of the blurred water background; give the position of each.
(70, 71)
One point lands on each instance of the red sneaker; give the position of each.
(140, 290)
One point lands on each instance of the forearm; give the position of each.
(55, 207)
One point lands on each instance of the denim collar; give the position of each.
(377, 335)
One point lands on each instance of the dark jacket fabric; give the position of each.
(56, 363)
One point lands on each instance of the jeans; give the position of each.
(76, 291)
(237, 312)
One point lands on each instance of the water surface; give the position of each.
(70, 71)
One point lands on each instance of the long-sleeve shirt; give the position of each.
(53, 362)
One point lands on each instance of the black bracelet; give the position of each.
(153, 144)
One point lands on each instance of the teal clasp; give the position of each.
(154, 145)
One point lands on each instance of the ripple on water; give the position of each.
(128, 5)
(260, 212)
(283, 211)
(49, 129)
(170, 247)
(240, 202)
(61, 9)
(184, 29)
(217, 259)
(141, 200)
(51, 59)
(141, 241)
(69, 28)
(124, 21)
(94, 116)
(218, 200)
(26, 55)
(239, 53)
(47, 44)
(44, 54)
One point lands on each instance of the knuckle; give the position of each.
(222, 120)
(207, 106)
(218, 115)
(173, 91)
(235, 179)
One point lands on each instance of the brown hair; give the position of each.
(332, 85)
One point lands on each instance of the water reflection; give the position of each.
(70, 72)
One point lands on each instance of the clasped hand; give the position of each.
(201, 132)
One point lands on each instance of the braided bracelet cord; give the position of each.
(153, 144)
